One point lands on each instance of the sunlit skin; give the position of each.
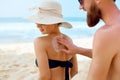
(106, 43)
(44, 50)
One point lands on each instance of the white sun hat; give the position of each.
(49, 12)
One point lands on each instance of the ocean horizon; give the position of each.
(20, 19)
(20, 30)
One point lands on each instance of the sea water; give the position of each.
(19, 30)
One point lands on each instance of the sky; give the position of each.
(20, 8)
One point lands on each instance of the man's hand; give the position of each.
(70, 48)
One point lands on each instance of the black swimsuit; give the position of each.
(56, 63)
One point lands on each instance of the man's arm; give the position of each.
(103, 53)
(71, 48)
(84, 51)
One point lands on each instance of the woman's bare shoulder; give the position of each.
(40, 41)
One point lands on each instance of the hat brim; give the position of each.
(48, 19)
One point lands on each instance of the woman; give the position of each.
(52, 63)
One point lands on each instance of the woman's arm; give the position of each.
(74, 69)
(42, 59)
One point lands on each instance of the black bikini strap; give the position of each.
(67, 65)
(56, 63)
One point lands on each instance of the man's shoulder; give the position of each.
(108, 30)
(103, 31)
(104, 35)
(108, 34)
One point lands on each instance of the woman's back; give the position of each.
(56, 72)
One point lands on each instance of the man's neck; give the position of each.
(110, 14)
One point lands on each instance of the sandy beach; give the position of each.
(17, 61)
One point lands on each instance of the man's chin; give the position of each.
(92, 21)
(92, 24)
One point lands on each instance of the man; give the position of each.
(106, 44)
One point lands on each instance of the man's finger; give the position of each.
(64, 43)
(64, 51)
